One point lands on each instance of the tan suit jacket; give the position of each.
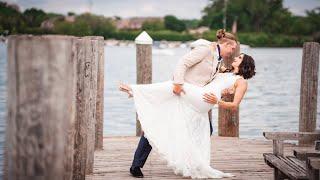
(197, 67)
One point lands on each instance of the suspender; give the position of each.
(217, 68)
(211, 76)
(218, 65)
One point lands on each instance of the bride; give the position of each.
(177, 126)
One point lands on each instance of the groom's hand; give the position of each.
(177, 89)
(210, 98)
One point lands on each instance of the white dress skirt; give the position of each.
(178, 126)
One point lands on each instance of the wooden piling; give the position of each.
(91, 68)
(309, 88)
(100, 97)
(87, 60)
(228, 120)
(80, 143)
(41, 106)
(144, 65)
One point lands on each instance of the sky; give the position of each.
(186, 9)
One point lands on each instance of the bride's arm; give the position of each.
(240, 89)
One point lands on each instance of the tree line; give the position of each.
(259, 22)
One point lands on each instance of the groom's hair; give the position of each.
(247, 67)
(224, 36)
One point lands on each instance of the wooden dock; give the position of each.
(242, 157)
(52, 142)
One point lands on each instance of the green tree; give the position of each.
(71, 14)
(251, 15)
(191, 23)
(155, 25)
(213, 14)
(99, 25)
(299, 26)
(55, 15)
(174, 24)
(34, 17)
(78, 28)
(85, 25)
(11, 19)
(313, 18)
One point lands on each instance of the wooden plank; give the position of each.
(314, 162)
(317, 144)
(294, 163)
(302, 154)
(313, 165)
(302, 164)
(292, 135)
(285, 166)
(244, 159)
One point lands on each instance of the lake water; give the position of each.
(270, 104)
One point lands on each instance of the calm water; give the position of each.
(3, 81)
(271, 102)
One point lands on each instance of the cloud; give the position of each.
(148, 8)
(187, 9)
(298, 7)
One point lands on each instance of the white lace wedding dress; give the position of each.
(177, 126)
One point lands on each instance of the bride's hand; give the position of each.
(125, 88)
(210, 98)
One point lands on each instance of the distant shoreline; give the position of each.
(129, 43)
(163, 44)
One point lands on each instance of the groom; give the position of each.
(197, 67)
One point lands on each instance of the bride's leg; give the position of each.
(126, 88)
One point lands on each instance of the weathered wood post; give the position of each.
(91, 69)
(41, 106)
(309, 88)
(87, 57)
(100, 96)
(144, 65)
(69, 146)
(228, 120)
